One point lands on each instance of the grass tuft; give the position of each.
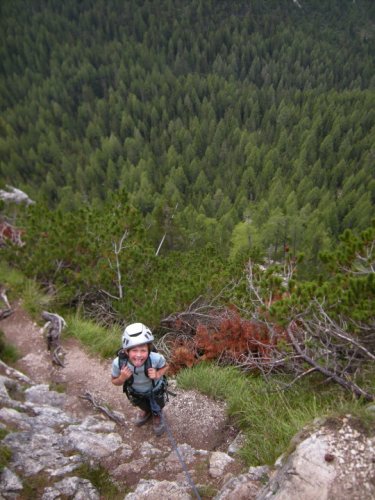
(5, 456)
(3, 433)
(59, 387)
(100, 478)
(97, 339)
(11, 278)
(34, 299)
(33, 486)
(8, 353)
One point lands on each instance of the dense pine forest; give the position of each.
(219, 129)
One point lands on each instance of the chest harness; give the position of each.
(123, 360)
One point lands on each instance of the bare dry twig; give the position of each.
(89, 397)
(327, 372)
(52, 331)
(324, 343)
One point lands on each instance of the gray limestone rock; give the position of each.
(218, 463)
(172, 461)
(147, 450)
(167, 490)
(236, 444)
(10, 483)
(93, 444)
(75, 488)
(260, 473)
(34, 452)
(240, 488)
(245, 486)
(305, 474)
(132, 467)
(41, 395)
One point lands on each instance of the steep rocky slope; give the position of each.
(52, 436)
(60, 431)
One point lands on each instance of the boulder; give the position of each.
(167, 490)
(333, 462)
(218, 463)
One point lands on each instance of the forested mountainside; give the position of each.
(246, 124)
(182, 156)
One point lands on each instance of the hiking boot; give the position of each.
(159, 427)
(142, 419)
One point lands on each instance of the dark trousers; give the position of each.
(151, 402)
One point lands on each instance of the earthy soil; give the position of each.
(193, 418)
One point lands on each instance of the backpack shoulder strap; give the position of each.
(148, 365)
(123, 361)
(122, 358)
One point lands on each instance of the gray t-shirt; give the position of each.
(141, 382)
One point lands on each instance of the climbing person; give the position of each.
(141, 371)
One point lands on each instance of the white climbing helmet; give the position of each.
(136, 334)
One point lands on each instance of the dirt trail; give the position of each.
(193, 418)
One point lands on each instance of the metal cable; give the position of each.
(180, 458)
(156, 409)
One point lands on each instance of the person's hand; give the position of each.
(126, 373)
(152, 373)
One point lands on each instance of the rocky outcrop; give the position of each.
(49, 447)
(333, 461)
(170, 490)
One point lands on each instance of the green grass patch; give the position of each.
(96, 338)
(33, 486)
(59, 387)
(268, 415)
(8, 353)
(5, 456)
(34, 300)
(207, 491)
(3, 433)
(12, 278)
(100, 478)
(99, 340)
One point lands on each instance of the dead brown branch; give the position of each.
(327, 372)
(98, 307)
(116, 418)
(58, 356)
(3, 296)
(328, 345)
(52, 330)
(199, 312)
(4, 313)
